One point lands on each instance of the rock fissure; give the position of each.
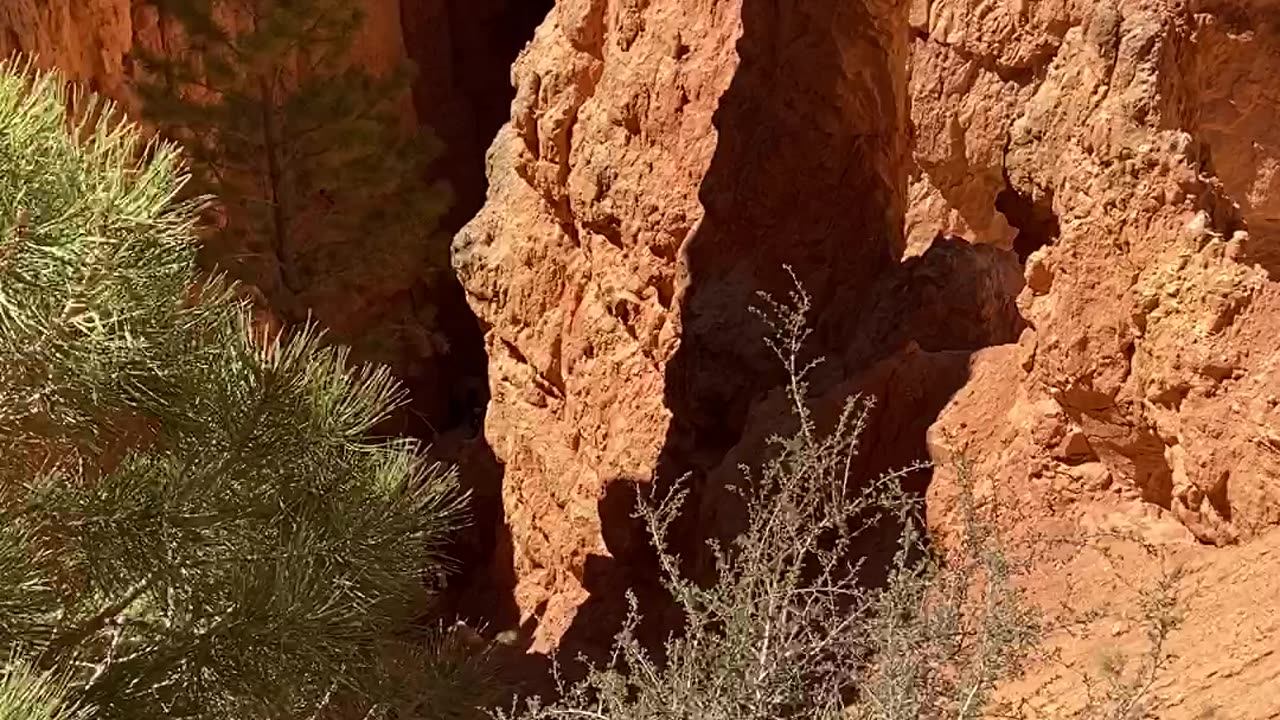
(1056, 291)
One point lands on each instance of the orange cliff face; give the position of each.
(1123, 147)
(663, 162)
(1147, 377)
(1041, 231)
(89, 40)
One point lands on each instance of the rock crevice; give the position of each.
(1004, 213)
(666, 162)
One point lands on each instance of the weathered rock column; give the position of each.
(664, 159)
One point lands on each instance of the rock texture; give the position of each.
(664, 161)
(572, 264)
(1081, 192)
(1148, 371)
(1222, 661)
(86, 39)
(90, 41)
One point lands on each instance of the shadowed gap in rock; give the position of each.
(463, 52)
(809, 172)
(1035, 220)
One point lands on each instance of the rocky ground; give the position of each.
(1221, 662)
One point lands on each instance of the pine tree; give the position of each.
(320, 183)
(194, 519)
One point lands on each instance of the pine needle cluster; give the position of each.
(195, 521)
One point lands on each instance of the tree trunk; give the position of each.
(275, 181)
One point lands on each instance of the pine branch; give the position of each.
(96, 622)
(26, 694)
(194, 520)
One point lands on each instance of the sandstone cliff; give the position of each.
(1055, 218)
(1148, 369)
(663, 162)
(87, 40)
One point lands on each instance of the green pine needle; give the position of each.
(195, 520)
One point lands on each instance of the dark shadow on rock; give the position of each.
(463, 53)
(480, 592)
(463, 50)
(1263, 247)
(809, 172)
(1035, 220)
(629, 571)
(908, 350)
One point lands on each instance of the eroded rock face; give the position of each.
(87, 39)
(573, 265)
(1109, 161)
(91, 41)
(663, 163)
(1148, 374)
